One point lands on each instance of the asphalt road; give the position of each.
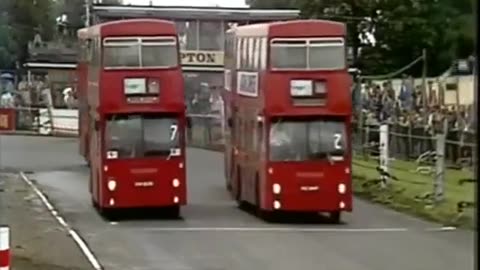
(215, 235)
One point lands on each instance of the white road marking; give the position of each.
(442, 229)
(78, 240)
(270, 229)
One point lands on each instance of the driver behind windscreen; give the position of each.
(280, 142)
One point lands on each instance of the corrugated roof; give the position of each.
(176, 12)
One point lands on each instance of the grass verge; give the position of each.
(406, 194)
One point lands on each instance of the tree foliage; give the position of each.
(7, 44)
(27, 18)
(75, 10)
(401, 30)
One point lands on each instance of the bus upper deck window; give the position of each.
(119, 53)
(327, 54)
(159, 52)
(301, 54)
(140, 52)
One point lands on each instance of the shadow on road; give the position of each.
(282, 217)
(141, 214)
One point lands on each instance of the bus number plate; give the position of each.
(144, 184)
(309, 188)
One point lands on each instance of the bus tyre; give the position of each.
(258, 208)
(94, 204)
(174, 212)
(335, 217)
(238, 189)
(108, 214)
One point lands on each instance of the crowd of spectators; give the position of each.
(410, 112)
(36, 93)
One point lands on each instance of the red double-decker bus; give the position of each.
(134, 111)
(289, 108)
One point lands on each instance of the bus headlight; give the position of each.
(277, 205)
(342, 188)
(301, 88)
(112, 185)
(175, 183)
(276, 188)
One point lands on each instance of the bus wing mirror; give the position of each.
(230, 122)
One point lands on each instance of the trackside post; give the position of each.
(4, 248)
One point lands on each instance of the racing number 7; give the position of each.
(173, 130)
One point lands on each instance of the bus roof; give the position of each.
(290, 28)
(205, 13)
(126, 28)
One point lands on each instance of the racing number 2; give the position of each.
(338, 141)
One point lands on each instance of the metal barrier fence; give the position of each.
(408, 143)
(39, 121)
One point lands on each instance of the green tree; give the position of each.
(75, 10)
(401, 30)
(263, 4)
(404, 28)
(7, 44)
(29, 17)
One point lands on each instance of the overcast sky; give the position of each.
(222, 3)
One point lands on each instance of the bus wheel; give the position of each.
(238, 189)
(228, 185)
(94, 204)
(108, 214)
(263, 214)
(174, 212)
(335, 217)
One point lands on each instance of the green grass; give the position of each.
(400, 195)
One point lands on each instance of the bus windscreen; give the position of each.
(302, 54)
(149, 52)
(141, 135)
(301, 140)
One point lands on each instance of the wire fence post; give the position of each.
(384, 155)
(438, 184)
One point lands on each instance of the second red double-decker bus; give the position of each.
(136, 115)
(289, 110)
